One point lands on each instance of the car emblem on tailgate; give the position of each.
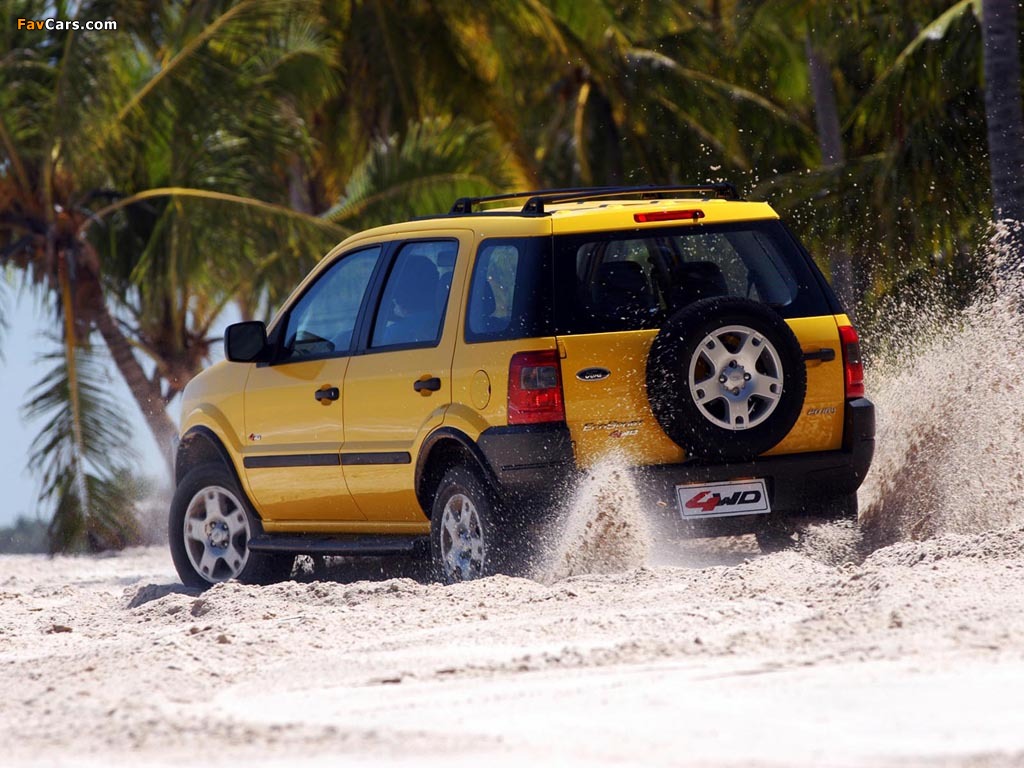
(745, 497)
(593, 374)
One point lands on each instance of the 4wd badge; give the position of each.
(748, 497)
(829, 411)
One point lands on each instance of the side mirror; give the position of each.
(246, 342)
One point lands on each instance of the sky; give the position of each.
(21, 344)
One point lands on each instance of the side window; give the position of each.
(493, 290)
(415, 295)
(510, 291)
(322, 321)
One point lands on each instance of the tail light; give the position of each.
(853, 366)
(693, 214)
(535, 388)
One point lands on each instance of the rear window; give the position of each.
(510, 290)
(634, 280)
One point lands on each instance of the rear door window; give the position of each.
(635, 280)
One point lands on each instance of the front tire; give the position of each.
(468, 538)
(209, 527)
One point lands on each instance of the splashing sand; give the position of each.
(604, 530)
(950, 398)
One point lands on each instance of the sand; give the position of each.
(913, 657)
(624, 649)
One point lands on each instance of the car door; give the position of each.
(293, 406)
(398, 389)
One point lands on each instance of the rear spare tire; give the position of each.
(726, 379)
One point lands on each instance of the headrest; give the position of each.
(626, 276)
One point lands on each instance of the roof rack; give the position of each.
(537, 199)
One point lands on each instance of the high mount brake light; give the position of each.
(693, 214)
(853, 365)
(535, 388)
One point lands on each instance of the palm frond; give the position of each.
(95, 458)
(221, 197)
(436, 162)
(939, 59)
(731, 90)
(111, 523)
(177, 258)
(220, 26)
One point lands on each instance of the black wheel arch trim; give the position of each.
(211, 437)
(292, 460)
(184, 445)
(442, 434)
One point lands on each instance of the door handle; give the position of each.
(824, 354)
(326, 395)
(430, 385)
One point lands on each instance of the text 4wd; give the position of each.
(709, 502)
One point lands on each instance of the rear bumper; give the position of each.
(530, 462)
(536, 463)
(799, 485)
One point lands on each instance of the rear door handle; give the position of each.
(824, 354)
(430, 385)
(326, 395)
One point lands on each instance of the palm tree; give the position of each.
(400, 63)
(657, 93)
(168, 206)
(1004, 118)
(904, 204)
(81, 118)
(94, 502)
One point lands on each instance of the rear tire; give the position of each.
(209, 527)
(843, 507)
(772, 540)
(469, 536)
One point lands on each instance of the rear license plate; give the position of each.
(740, 497)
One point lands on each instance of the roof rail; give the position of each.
(536, 200)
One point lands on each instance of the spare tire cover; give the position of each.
(726, 379)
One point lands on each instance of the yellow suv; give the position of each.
(437, 383)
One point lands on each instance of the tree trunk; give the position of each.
(147, 393)
(830, 141)
(1003, 107)
(298, 186)
(826, 112)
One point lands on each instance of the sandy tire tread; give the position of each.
(260, 568)
(501, 536)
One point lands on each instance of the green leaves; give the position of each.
(423, 172)
(84, 473)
